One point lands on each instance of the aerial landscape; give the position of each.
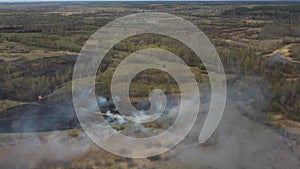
(258, 43)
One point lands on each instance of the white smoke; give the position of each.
(238, 142)
(116, 118)
(30, 149)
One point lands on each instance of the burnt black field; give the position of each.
(38, 117)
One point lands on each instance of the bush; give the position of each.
(275, 107)
(73, 133)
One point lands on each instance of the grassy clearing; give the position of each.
(10, 51)
(295, 52)
(56, 42)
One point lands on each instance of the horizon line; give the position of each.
(20, 1)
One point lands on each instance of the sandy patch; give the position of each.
(285, 53)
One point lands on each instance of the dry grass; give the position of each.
(6, 104)
(10, 51)
(285, 51)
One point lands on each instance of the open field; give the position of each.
(242, 33)
(258, 44)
